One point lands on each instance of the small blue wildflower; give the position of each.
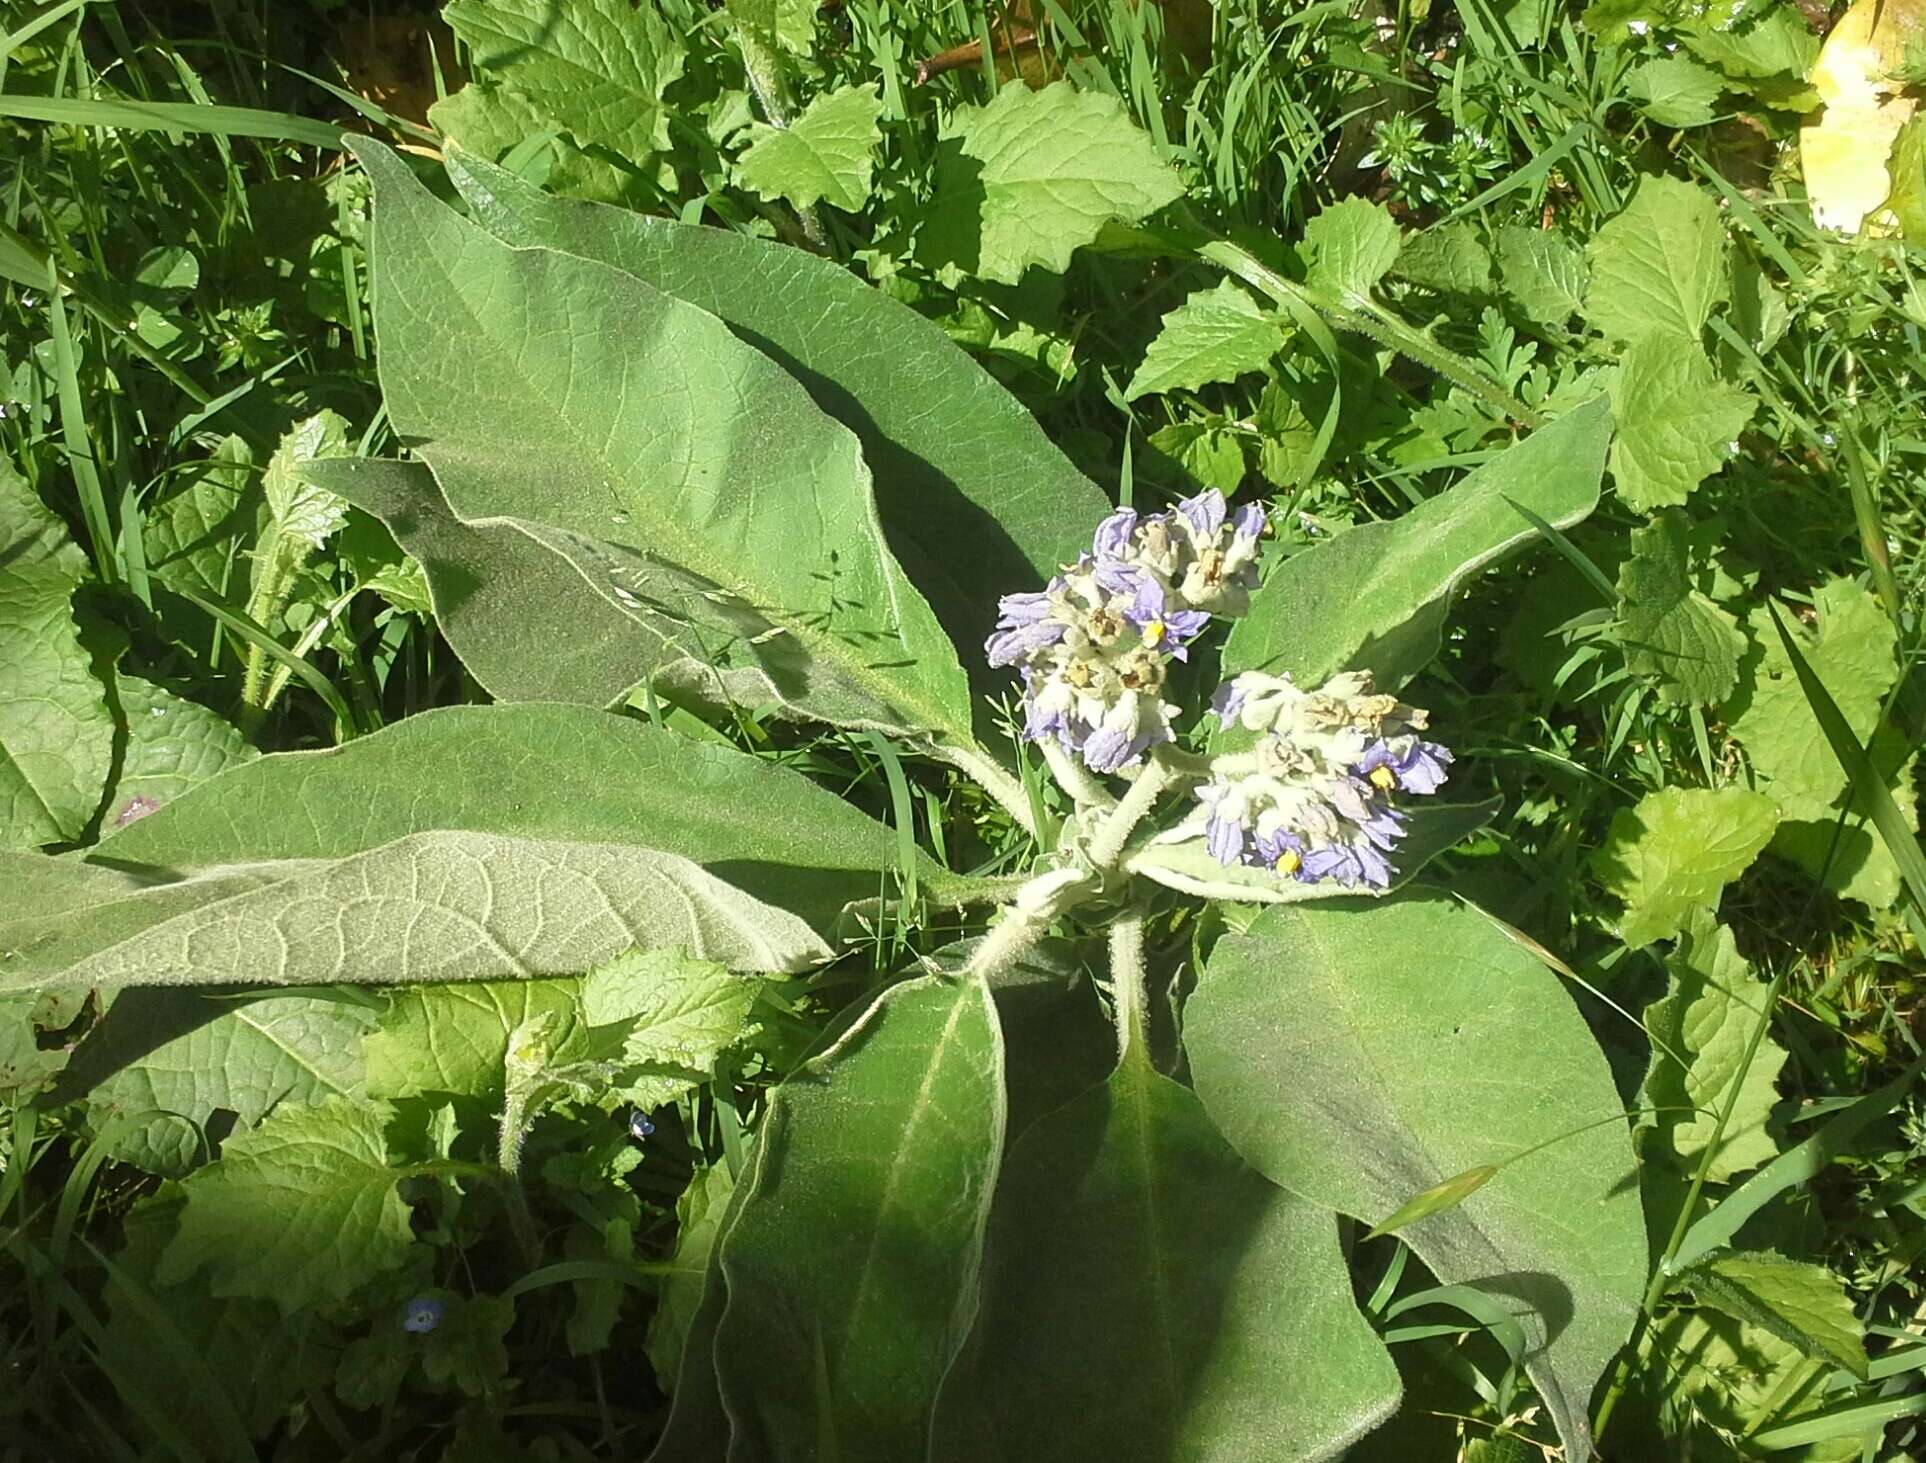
(421, 1315)
(639, 1125)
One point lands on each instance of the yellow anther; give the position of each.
(1383, 779)
(1288, 862)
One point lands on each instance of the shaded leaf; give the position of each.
(1804, 1304)
(172, 745)
(1543, 272)
(1676, 850)
(1667, 627)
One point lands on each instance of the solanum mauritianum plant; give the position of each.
(649, 454)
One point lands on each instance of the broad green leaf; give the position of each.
(729, 501)
(1658, 268)
(1035, 175)
(1360, 1056)
(1676, 91)
(179, 1057)
(198, 537)
(300, 1211)
(298, 508)
(496, 120)
(1199, 454)
(851, 1267)
(1676, 850)
(1677, 421)
(976, 500)
(1769, 41)
(598, 68)
(452, 1040)
(56, 736)
(1804, 1304)
(1376, 595)
(698, 1220)
(1350, 246)
(172, 745)
(1860, 866)
(1447, 258)
(788, 24)
(1544, 273)
(1708, 1017)
(1146, 1295)
(25, 1066)
(826, 155)
(1215, 335)
(1669, 629)
(1851, 652)
(673, 1011)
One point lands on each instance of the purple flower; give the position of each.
(1248, 521)
(1007, 647)
(1022, 609)
(639, 1125)
(1106, 750)
(1349, 864)
(1204, 513)
(1113, 534)
(1115, 578)
(421, 1315)
(1418, 767)
(1227, 702)
(1285, 847)
(1225, 840)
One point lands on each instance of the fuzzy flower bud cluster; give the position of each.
(1313, 799)
(1094, 647)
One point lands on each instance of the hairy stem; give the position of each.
(1107, 843)
(764, 67)
(1129, 982)
(1071, 775)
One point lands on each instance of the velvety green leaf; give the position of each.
(1851, 652)
(730, 502)
(1658, 268)
(976, 500)
(1804, 1304)
(1708, 1017)
(298, 508)
(300, 1211)
(597, 67)
(850, 1268)
(56, 737)
(1216, 335)
(1675, 91)
(172, 745)
(1147, 1296)
(1351, 246)
(826, 155)
(1860, 866)
(1360, 1056)
(1667, 627)
(1677, 421)
(1543, 272)
(1375, 596)
(1676, 849)
(1033, 176)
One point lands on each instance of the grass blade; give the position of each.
(173, 117)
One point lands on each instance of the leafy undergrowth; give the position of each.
(337, 1160)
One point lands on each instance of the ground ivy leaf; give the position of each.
(1129, 1242)
(1544, 273)
(1677, 421)
(1361, 1056)
(1768, 41)
(731, 503)
(674, 1011)
(1215, 335)
(1707, 1018)
(597, 67)
(298, 508)
(826, 155)
(1804, 1304)
(1673, 852)
(1859, 866)
(1669, 629)
(56, 736)
(301, 1211)
(1851, 652)
(1351, 246)
(172, 745)
(1676, 91)
(1035, 175)
(1658, 268)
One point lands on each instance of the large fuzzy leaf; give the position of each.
(1362, 1056)
(974, 497)
(639, 438)
(1375, 596)
(1148, 1297)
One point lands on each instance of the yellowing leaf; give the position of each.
(1845, 151)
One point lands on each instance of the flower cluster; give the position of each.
(1094, 646)
(1313, 799)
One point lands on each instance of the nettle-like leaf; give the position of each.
(452, 1041)
(848, 1269)
(1658, 268)
(56, 736)
(826, 155)
(1707, 1018)
(1676, 850)
(673, 1012)
(1148, 1296)
(1544, 273)
(1853, 859)
(1804, 1304)
(1676, 91)
(1034, 176)
(536, 385)
(1667, 627)
(300, 1211)
(1375, 597)
(1359, 1057)
(198, 537)
(296, 507)
(1216, 335)
(1851, 652)
(975, 499)
(502, 842)
(1350, 247)
(1449, 259)
(595, 68)
(1678, 422)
